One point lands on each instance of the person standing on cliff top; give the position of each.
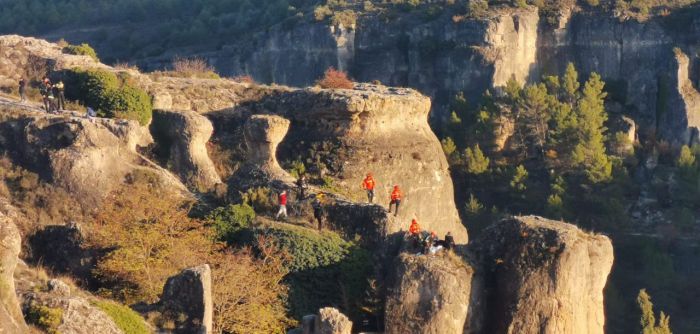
(395, 199)
(318, 210)
(22, 90)
(368, 184)
(414, 232)
(302, 186)
(283, 205)
(58, 92)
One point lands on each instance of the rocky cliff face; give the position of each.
(11, 319)
(523, 275)
(542, 276)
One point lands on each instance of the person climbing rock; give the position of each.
(59, 94)
(395, 199)
(302, 185)
(368, 184)
(22, 90)
(449, 241)
(317, 205)
(436, 244)
(283, 205)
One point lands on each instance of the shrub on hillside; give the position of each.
(324, 269)
(334, 79)
(125, 318)
(229, 221)
(110, 95)
(82, 50)
(194, 68)
(44, 317)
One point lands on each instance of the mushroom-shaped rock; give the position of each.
(543, 276)
(263, 133)
(187, 300)
(430, 295)
(185, 134)
(11, 319)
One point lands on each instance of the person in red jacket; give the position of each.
(414, 232)
(368, 185)
(395, 199)
(283, 205)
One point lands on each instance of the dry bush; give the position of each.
(244, 79)
(126, 67)
(224, 158)
(193, 68)
(334, 79)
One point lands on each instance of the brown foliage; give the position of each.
(192, 68)
(244, 79)
(334, 79)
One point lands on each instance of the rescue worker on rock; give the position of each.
(45, 91)
(449, 242)
(414, 231)
(368, 185)
(283, 205)
(395, 199)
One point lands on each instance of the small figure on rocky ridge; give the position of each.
(302, 186)
(414, 232)
(283, 205)
(22, 90)
(58, 92)
(449, 241)
(368, 184)
(318, 210)
(395, 199)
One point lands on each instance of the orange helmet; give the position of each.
(369, 174)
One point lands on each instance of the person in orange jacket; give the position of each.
(395, 199)
(368, 185)
(414, 232)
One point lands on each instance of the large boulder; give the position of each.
(188, 302)
(542, 276)
(328, 321)
(11, 319)
(183, 135)
(89, 159)
(430, 295)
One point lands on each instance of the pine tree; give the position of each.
(570, 84)
(648, 320)
(519, 178)
(477, 162)
(590, 149)
(449, 147)
(534, 115)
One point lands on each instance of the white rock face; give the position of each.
(11, 319)
(512, 45)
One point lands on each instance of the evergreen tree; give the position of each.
(533, 113)
(449, 147)
(477, 162)
(570, 84)
(648, 320)
(519, 178)
(590, 149)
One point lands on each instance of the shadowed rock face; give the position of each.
(185, 135)
(431, 295)
(328, 321)
(187, 300)
(542, 276)
(11, 319)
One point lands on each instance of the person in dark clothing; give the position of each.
(449, 242)
(45, 92)
(58, 93)
(318, 210)
(301, 186)
(22, 90)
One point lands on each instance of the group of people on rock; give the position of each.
(52, 94)
(428, 243)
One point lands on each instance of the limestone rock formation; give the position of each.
(184, 134)
(380, 130)
(328, 321)
(511, 37)
(680, 117)
(188, 302)
(431, 295)
(11, 319)
(89, 159)
(542, 276)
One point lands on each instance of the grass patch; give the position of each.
(126, 319)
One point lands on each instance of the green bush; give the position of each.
(324, 270)
(82, 50)
(44, 317)
(260, 199)
(110, 95)
(230, 220)
(125, 318)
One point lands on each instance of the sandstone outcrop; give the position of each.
(188, 302)
(328, 321)
(184, 135)
(542, 276)
(11, 319)
(263, 133)
(381, 130)
(89, 159)
(431, 295)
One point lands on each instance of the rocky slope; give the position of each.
(11, 319)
